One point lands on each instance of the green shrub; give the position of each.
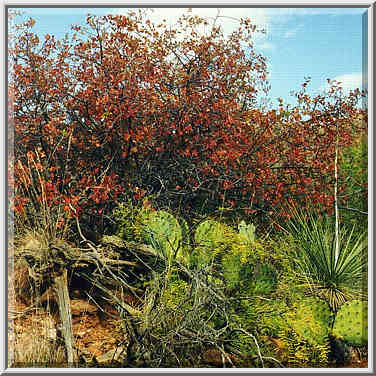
(299, 353)
(353, 166)
(237, 271)
(243, 314)
(244, 265)
(176, 295)
(265, 279)
(270, 317)
(211, 234)
(301, 327)
(129, 220)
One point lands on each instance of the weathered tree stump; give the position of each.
(60, 284)
(102, 266)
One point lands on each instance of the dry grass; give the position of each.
(32, 337)
(34, 342)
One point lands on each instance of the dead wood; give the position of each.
(61, 288)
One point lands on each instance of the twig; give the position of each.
(353, 209)
(254, 339)
(276, 360)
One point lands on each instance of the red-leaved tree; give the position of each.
(126, 107)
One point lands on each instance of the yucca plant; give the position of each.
(333, 267)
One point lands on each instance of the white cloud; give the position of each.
(266, 45)
(228, 16)
(272, 20)
(348, 82)
(264, 18)
(228, 20)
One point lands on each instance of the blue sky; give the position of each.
(317, 42)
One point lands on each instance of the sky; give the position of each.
(299, 42)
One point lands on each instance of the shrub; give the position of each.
(270, 317)
(129, 219)
(355, 196)
(177, 322)
(299, 353)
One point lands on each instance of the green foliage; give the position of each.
(351, 323)
(243, 314)
(163, 232)
(237, 270)
(299, 353)
(180, 319)
(245, 276)
(247, 266)
(167, 234)
(334, 279)
(175, 295)
(270, 317)
(185, 231)
(354, 168)
(301, 327)
(129, 220)
(265, 280)
(238, 267)
(211, 234)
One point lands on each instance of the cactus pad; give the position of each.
(351, 323)
(209, 233)
(211, 238)
(247, 231)
(311, 320)
(163, 232)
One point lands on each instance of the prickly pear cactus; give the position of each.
(247, 231)
(186, 243)
(163, 232)
(209, 232)
(185, 231)
(311, 320)
(211, 238)
(351, 323)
